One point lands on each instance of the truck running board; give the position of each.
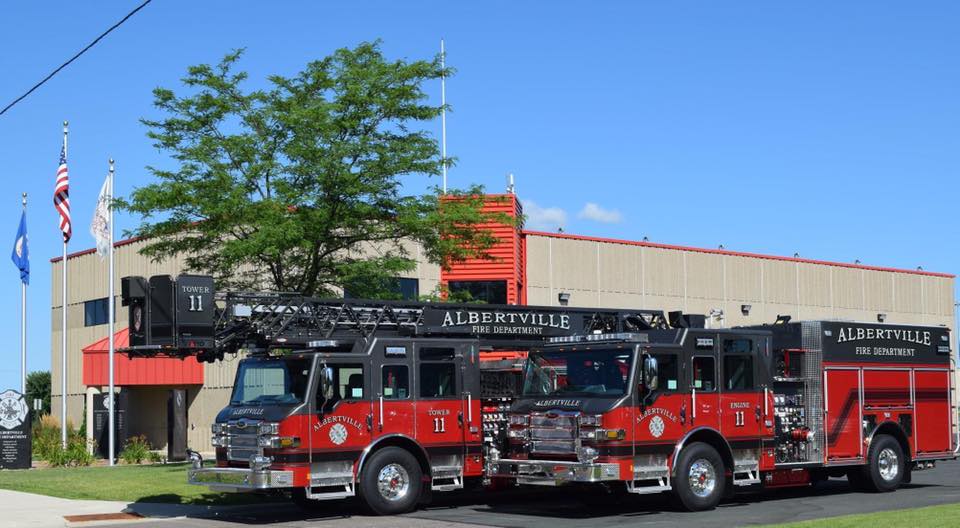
(447, 478)
(331, 487)
(746, 478)
(644, 487)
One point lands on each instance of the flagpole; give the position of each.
(23, 322)
(110, 304)
(443, 113)
(63, 328)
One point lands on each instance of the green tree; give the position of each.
(38, 387)
(299, 186)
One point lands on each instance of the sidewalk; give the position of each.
(28, 510)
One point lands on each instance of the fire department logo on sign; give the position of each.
(13, 409)
(656, 426)
(338, 434)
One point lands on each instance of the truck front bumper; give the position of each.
(240, 479)
(554, 472)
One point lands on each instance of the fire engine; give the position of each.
(392, 401)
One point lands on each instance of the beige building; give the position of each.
(532, 268)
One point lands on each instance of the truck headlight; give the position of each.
(278, 442)
(217, 428)
(602, 434)
(519, 419)
(592, 420)
(269, 428)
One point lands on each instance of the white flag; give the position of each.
(100, 225)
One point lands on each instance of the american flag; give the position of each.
(61, 196)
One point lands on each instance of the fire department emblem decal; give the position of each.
(656, 426)
(338, 434)
(13, 409)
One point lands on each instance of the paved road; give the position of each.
(569, 508)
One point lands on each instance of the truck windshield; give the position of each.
(578, 372)
(271, 381)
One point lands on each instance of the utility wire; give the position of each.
(75, 57)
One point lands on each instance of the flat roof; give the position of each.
(734, 253)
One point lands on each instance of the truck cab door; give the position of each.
(340, 421)
(703, 386)
(741, 388)
(394, 401)
(440, 417)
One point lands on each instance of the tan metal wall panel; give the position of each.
(909, 293)
(744, 279)
(538, 252)
(814, 285)
(663, 272)
(878, 291)
(619, 268)
(780, 282)
(848, 288)
(704, 275)
(575, 265)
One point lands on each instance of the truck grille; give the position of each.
(553, 433)
(242, 440)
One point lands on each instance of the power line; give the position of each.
(75, 57)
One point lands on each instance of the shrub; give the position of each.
(47, 444)
(136, 451)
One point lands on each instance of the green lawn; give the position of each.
(159, 483)
(931, 516)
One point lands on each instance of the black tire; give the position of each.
(886, 465)
(402, 476)
(701, 493)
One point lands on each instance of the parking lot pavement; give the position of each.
(562, 508)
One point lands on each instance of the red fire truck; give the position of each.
(393, 401)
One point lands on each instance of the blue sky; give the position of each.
(824, 129)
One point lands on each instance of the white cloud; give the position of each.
(544, 218)
(594, 212)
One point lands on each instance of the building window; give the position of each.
(491, 292)
(394, 288)
(95, 312)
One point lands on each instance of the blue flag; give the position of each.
(20, 255)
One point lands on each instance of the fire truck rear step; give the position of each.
(446, 478)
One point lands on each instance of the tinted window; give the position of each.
(438, 380)
(738, 373)
(391, 288)
(737, 346)
(704, 373)
(491, 292)
(95, 312)
(595, 372)
(668, 372)
(347, 382)
(396, 382)
(264, 381)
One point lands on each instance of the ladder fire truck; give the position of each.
(392, 401)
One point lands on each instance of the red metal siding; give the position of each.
(507, 263)
(139, 371)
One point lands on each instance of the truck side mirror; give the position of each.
(650, 380)
(327, 384)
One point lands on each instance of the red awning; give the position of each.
(137, 371)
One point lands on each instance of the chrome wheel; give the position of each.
(393, 482)
(702, 478)
(888, 464)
